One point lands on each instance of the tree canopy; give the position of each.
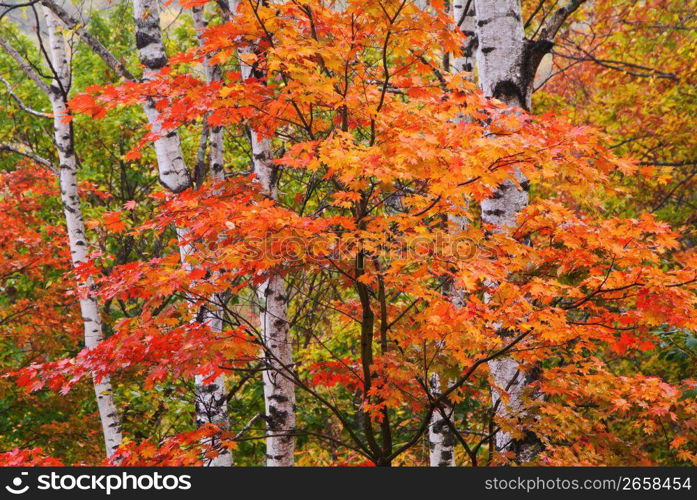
(361, 232)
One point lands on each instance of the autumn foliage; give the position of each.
(382, 158)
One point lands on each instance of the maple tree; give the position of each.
(342, 268)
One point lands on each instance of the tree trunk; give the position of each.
(212, 73)
(174, 174)
(279, 389)
(211, 399)
(503, 62)
(63, 136)
(464, 61)
(440, 436)
(441, 441)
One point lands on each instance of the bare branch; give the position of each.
(25, 66)
(239, 435)
(21, 104)
(26, 152)
(97, 46)
(550, 28)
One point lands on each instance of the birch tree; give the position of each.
(279, 388)
(211, 398)
(507, 62)
(174, 175)
(440, 435)
(215, 134)
(57, 93)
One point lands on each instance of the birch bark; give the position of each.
(211, 398)
(502, 62)
(464, 61)
(441, 442)
(440, 436)
(279, 389)
(63, 136)
(212, 73)
(174, 174)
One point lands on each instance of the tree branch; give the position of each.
(550, 28)
(25, 66)
(97, 46)
(21, 104)
(24, 151)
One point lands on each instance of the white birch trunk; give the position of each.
(503, 61)
(501, 51)
(212, 73)
(441, 441)
(279, 389)
(174, 175)
(211, 398)
(464, 60)
(111, 423)
(440, 436)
